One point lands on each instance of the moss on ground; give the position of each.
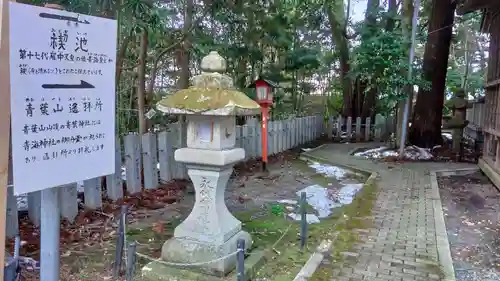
(284, 257)
(322, 179)
(345, 235)
(271, 231)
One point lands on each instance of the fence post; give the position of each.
(349, 129)
(321, 125)
(92, 193)
(276, 137)
(378, 127)
(303, 220)
(305, 129)
(164, 154)
(120, 241)
(12, 223)
(68, 198)
(389, 125)
(245, 131)
(34, 202)
(132, 163)
(238, 137)
(270, 134)
(283, 135)
(12, 220)
(250, 135)
(339, 128)
(50, 223)
(240, 258)
(302, 133)
(131, 261)
(368, 128)
(279, 135)
(297, 131)
(358, 129)
(310, 128)
(114, 182)
(253, 137)
(288, 133)
(183, 143)
(150, 160)
(314, 125)
(172, 141)
(176, 135)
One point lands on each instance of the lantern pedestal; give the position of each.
(208, 236)
(210, 231)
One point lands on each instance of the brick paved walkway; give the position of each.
(405, 242)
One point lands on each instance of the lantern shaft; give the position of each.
(265, 117)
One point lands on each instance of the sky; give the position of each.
(358, 8)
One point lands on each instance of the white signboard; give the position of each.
(62, 71)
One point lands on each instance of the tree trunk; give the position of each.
(392, 11)
(426, 123)
(183, 82)
(141, 83)
(120, 58)
(467, 57)
(342, 45)
(185, 73)
(366, 91)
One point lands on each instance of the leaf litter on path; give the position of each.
(471, 208)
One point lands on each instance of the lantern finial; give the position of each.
(213, 62)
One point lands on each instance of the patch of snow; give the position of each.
(310, 218)
(372, 153)
(329, 170)
(288, 202)
(411, 152)
(448, 136)
(324, 200)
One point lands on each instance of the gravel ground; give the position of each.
(472, 214)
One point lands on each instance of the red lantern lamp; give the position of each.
(264, 94)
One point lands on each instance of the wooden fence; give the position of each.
(476, 117)
(349, 129)
(154, 152)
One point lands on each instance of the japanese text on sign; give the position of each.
(62, 69)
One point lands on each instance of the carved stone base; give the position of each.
(210, 232)
(181, 250)
(159, 271)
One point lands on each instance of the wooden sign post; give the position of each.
(4, 124)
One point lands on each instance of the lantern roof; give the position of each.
(212, 93)
(267, 81)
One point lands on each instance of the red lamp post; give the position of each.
(264, 93)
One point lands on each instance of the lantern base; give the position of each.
(158, 271)
(209, 258)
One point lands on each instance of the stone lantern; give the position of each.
(458, 121)
(210, 232)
